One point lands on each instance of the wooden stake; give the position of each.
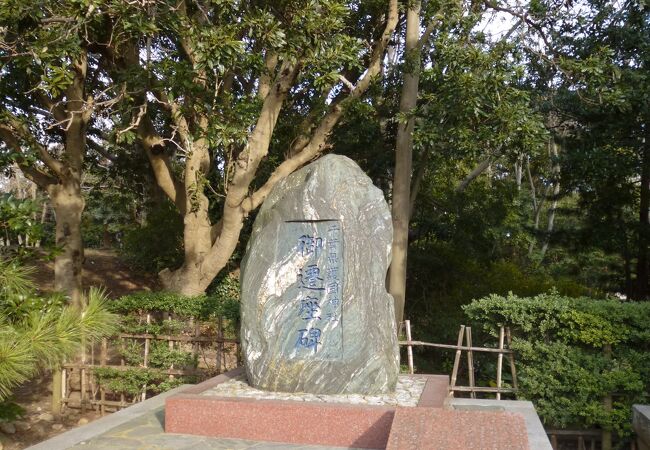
(197, 343)
(409, 348)
(170, 343)
(103, 360)
(221, 360)
(82, 382)
(511, 359)
(146, 344)
(146, 358)
(500, 362)
(122, 399)
(454, 372)
(470, 361)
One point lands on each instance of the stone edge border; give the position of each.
(434, 393)
(537, 438)
(100, 426)
(641, 425)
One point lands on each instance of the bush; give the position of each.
(443, 279)
(187, 311)
(203, 307)
(571, 353)
(37, 333)
(156, 245)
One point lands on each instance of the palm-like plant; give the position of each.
(37, 333)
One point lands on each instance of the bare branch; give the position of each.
(48, 20)
(522, 16)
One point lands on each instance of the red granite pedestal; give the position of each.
(331, 424)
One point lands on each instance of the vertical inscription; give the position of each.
(316, 295)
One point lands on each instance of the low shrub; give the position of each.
(573, 353)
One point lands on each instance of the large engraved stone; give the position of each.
(316, 316)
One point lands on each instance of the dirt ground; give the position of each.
(101, 268)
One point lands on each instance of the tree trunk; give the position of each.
(556, 193)
(519, 171)
(68, 205)
(404, 162)
(644, 227)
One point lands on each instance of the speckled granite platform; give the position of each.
(439, 429)
(351, 421)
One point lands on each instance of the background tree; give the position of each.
(212, 88)
(54, 91)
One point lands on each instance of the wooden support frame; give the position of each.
(465, 334)
(103, 400)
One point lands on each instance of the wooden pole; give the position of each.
(511, 359)
(221, 361)
(409, 348)
(500, 362)
(505, 351)
(470, 361)
(170, 343)
(103, 359)
(606, 440)
(197, 343)
(57, 388)
(64, 385)
(454, 372)
(554, 442)
(146, 358)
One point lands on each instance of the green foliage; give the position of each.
(162, 356)
(18, 218)
(224, 302)
(132, 381)
(444, 276)
(156, 244)
(168, 314)
(10, 411)
(572, 352)
(37, 334)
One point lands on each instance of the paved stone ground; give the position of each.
(146, 432)
(407, 393)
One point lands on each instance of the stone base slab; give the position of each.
(424, 428)
(332, 424)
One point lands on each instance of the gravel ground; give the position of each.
(407, 393)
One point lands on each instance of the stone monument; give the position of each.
(316, 316)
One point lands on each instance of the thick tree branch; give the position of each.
(55, 108)
(19, 131)
(154, 147)
(100, 150)
(34, 174)
(270, 62)
(479, 169)
(317, 143)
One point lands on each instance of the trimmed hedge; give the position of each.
(571, 353)
(201, 307)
